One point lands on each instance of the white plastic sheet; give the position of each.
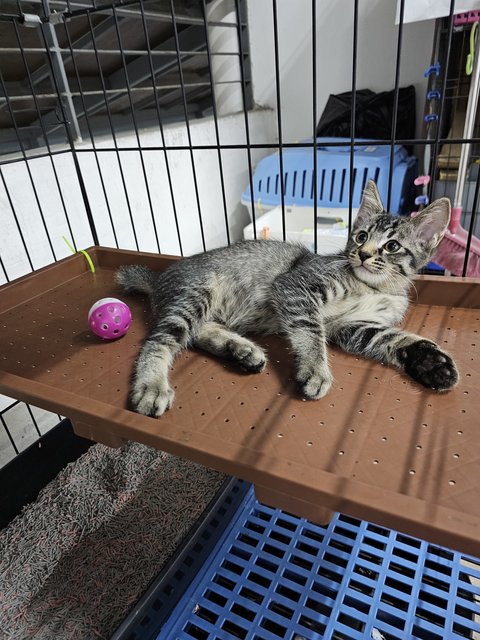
(417, 10)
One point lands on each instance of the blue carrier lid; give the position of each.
(333, 175)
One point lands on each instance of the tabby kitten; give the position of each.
(353, 299)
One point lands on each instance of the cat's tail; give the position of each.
(135, 278)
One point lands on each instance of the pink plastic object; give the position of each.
(466, 18)
(421, 181)
(109, 318)
(451, 250)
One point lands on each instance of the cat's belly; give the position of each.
(253, 315)
(378, 309)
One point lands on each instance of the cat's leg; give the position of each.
(421, 359)
(151, 393)
(175, 327)
(217, 339)
(309, 348)
(300, 317)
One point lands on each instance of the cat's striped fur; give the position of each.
(353, 298)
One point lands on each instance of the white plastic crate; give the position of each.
(332, 227)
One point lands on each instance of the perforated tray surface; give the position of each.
(274, 576)
(377, 446)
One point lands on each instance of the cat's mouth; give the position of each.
(365, 268)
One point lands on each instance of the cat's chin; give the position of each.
(366, 275)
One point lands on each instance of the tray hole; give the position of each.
(321, 423)
(376, 461)
(384, 438)
(341, 452)
(460, 432)
(332, 404)
(219, 397)
(465, 393)
(360, 411)
(267, 409)
(351, 430)
(293, 416)
(279, 435)
(309, 443)
(391, 418)
(202, 413)
(412, 472)
(419, 446)
(469, 375)
(456, 456)
(252, 427)
(241, 403)
(226, 419)
(452, 483)
(424, 424)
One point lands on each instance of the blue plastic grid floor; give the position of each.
(275, 576)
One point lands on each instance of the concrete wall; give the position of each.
(377, 44)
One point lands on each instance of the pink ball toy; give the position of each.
(109, 318)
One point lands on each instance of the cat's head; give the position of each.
(386, 249)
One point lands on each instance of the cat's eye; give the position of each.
(392, 246)
(361, 237)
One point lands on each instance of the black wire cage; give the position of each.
(141, 124)
(137, 125)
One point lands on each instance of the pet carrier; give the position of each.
(333, 181)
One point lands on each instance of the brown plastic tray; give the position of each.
(377, 446)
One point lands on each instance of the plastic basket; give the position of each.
(332, 227)
(274, 576)
(333, 177)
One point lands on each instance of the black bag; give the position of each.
(373, 115)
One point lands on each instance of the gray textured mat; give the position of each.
(76, 560)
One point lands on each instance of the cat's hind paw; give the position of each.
(152, 399)
(427, 364)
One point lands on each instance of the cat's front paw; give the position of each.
(152, 399)
(314, 385)
(426, 363)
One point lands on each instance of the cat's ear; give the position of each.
(370, 204)
(431, 223)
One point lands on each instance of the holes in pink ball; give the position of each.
(111, 309)
(115, 331)
(117, 319)
(127, 325)
(99, 315)
(105, 326)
